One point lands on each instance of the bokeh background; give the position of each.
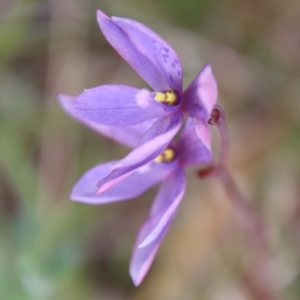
(53, 248)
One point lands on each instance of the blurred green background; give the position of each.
(53, 248)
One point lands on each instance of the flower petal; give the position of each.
(155, 228)
(85, 190)
(201, 95)
(156, 139)
(119, 105)
(191, 149)
(129, 136)
(142, 258)
(203, 133)
(148, 54)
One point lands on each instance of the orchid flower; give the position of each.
(145, 121)
(164, 107)
(168, 168)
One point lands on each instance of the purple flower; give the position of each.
(167, 167)
(145, 121)
(123, 106)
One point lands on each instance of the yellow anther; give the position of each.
(159, 158)
(169, 97)
(167, 156)
(160, 97)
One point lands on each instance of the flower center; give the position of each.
(170, 97)
(166, 156)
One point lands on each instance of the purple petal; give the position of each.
(156, 139)
(85, 190)
(193, 150)
(119, 105)
(148, 54)
(129, 136)
(154, 229)
(203, 133)
(142, 258)
(201, 95)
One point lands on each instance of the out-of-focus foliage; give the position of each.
(52, 248)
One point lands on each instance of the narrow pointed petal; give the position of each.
(148, 54)
(85, 190)
(119, 105)
(203, 132)
(156, 139)
(142, 258)
(192, 149)
(129, 136)
(201, 95)
(155, 228)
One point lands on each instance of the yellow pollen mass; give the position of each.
(160, 97)
(166, 156)
(169, 97)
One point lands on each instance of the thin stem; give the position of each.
(247, 214)
(218, 119)
(245, 211)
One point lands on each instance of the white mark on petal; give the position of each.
(145, 168)
(143, 98)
